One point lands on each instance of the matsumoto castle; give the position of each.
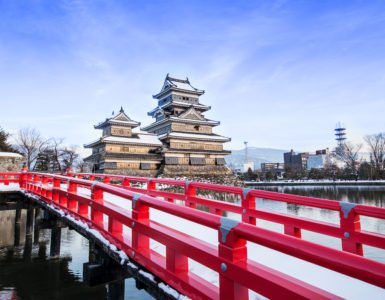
(180, 141)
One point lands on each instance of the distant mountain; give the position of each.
(258, 155)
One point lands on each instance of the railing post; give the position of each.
(83, 210)
(176, 262)
(292, 230)
(141, 214)
(114, 226)
(69, 172)
(38, 180)
(96, 196)
(216, 211)
(72, 189)
(44, 181)
(35, 181)
(30, 179)
(151, 186)
(231, 248)
(55, 193)
(23, 178)
(5, 177)
(190, 191)
(126, 183)
(106, 180)
(349, 223)
(248, 202)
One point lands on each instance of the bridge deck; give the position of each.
(130, 217)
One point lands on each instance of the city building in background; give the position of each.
(295, 161)
(277, 169)
(318, 160)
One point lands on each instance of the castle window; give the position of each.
(196, 128)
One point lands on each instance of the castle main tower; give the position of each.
(189, 145)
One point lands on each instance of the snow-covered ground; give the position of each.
(323, 278)
(12, 187)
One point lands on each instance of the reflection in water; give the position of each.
(368, 195)
(28, 272)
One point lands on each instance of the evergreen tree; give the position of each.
(4, 146)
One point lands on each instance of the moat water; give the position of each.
(27, 271)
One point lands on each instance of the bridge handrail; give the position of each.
(9, 177)
(349, 230)
(48, 186)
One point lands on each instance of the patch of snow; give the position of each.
(168, 290)
(139, 139)
(123, 256)
(131, 265)
(195, 121)
(197, 136)
(149, 276)
(125, 122)
(10, 154)
(189, 104)
(12, 187)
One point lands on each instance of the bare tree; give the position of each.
(349, 154)
(376, 143)
(56, 150)
(30, 144)
(70, 157)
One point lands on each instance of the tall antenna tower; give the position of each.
(246, 157)
(340, 134)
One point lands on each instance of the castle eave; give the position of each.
(215, 152)
(193, 136)
(187, 91)
(117, 122)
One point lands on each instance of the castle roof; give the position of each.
(138, 137)
(180, 120)
(120, 119)
(194, 136)
(178, 104)
(175, 84)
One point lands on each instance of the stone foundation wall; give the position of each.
(11, 162)
(133, 172)
(208, 173)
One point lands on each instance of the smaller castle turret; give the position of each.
(124, 149)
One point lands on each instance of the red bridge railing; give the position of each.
(237, 273)
(9, 177)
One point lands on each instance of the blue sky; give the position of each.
(277, 74)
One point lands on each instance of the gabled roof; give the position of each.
(176, 84)
(178, 104)
(119, 119)
(138, 137)
(191, 113)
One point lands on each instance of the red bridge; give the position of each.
(237, 272)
